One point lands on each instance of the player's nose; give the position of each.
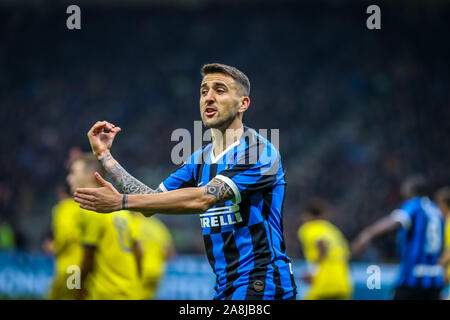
(209, 97)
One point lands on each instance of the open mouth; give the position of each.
(210, 111)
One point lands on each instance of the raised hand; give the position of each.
(100, 140)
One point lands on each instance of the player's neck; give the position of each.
(222, 139)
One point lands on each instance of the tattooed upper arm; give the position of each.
(220, 190)
(123, 180)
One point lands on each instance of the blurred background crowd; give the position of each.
(357, 110)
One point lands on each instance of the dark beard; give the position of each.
(221, 125)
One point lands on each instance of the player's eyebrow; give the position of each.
(214, 84)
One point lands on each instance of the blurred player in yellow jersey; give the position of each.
(110, 265)
(65, 245)
(156, 243)
(442, 198)
(326, 252)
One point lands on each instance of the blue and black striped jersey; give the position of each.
(420, 243)
(243, 237)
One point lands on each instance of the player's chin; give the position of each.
(216, 123)
(210, 123)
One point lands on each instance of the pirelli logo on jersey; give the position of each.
(220, 216)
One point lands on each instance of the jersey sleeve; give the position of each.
(253, 171)
(183, 177)
(162, 235)
(308, 239)
(447, 235)
(65, 225)
(404, 215)
(58, 228)
(93, 229)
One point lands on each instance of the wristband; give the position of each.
(124, 202)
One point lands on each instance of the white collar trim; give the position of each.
(231, 146)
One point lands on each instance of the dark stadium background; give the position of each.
(357, 110)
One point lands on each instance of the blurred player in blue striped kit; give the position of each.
(442, 198)
(421, 231)
(236, 184)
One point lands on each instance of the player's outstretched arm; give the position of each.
(101, 137)
(122, 179)
(380, 227)
(181, 201)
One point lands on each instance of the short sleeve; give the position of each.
(93, 228)
(164, 238)
(307, 238)
(65, 224)
(253, 173)
(404, 215)
(447, 235)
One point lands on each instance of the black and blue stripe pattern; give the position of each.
(420, 244)
(243, 238)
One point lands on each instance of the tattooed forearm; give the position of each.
(220, 190)
(122, 179)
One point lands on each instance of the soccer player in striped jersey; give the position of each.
(236, 184)
(421, 230)
(442, 198)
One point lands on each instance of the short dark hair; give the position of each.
(236, 74)
(316, 207)
(443, 195)
(91, 164)
(415, 186)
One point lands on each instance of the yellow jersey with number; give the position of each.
(155, 240)
(115, 272)
(66, 242)
(331, 275)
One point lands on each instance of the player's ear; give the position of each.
(245, 103)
